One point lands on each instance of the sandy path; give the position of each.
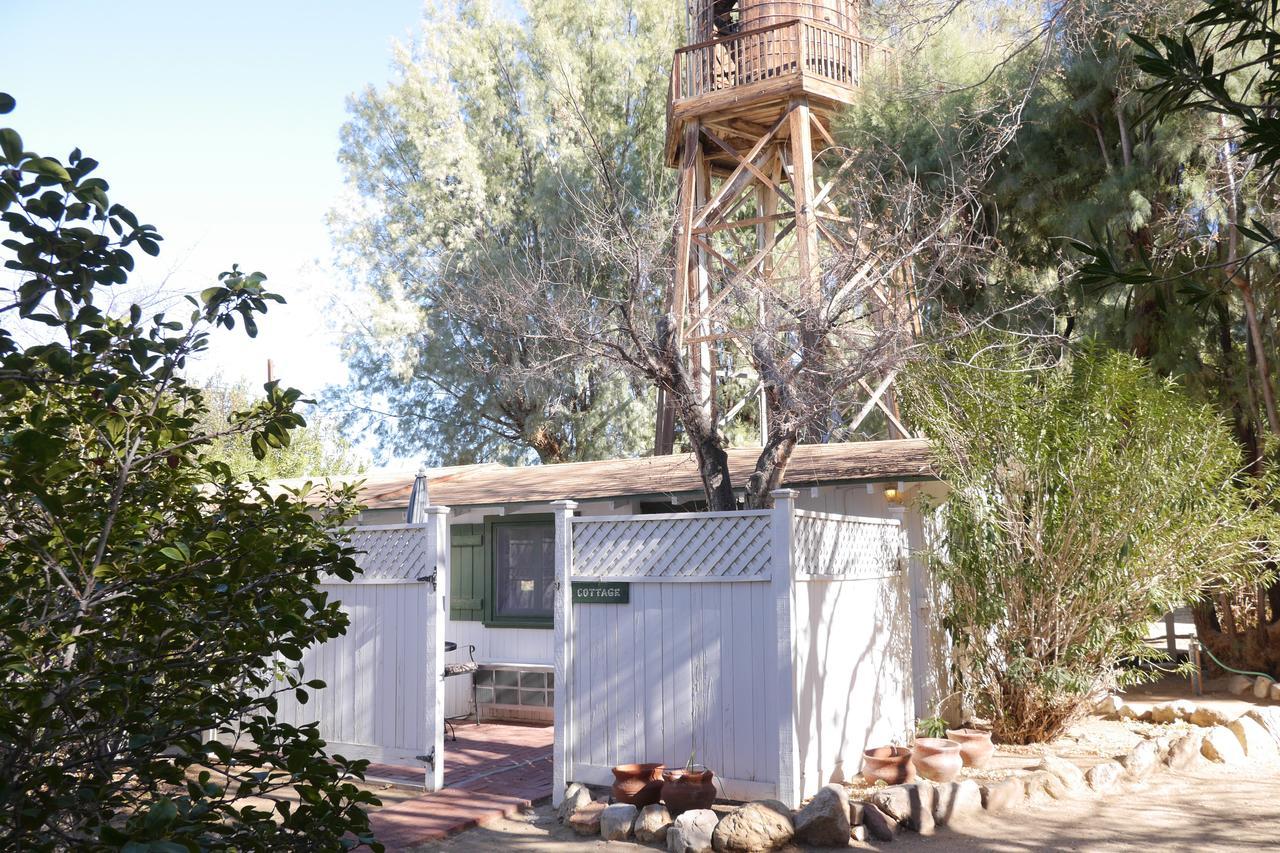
(1214, 809)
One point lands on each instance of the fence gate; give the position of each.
(384, 693)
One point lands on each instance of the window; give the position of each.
(524, 573)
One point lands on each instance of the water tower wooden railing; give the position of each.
(796, 55)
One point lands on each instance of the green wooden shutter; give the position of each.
(466, 596)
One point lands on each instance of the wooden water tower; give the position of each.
(753, 93)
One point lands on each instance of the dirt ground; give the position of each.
(1213, 809)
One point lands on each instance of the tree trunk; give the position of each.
(548, 444)
(706, 441)
(770, 467)
(1241, 282)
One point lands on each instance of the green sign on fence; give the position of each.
(601, 592)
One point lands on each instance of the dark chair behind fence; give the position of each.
(467, 668)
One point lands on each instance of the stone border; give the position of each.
(1261, 687)
(831, 818)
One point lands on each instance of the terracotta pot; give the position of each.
(889, 764)
(976, 747)
(637, 784)
(937, 759)
(685, 790)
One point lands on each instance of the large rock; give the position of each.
(692, 832)
(1070, 775)
(575, 797)
(1127, 712)
(1269, 719)
(1239, 684)
(1274, 694)
(1043, 785)
(956, 801)
(824, 820)
(652, 824)
(1108, 705)
(1254, 739)
(1262, 687)
(1220, 745)
(1172, 712)
(1185, 752)
(910, 805)
(617, 821)
(1103, 777)
(586, 820)
(1208, 716)
(1141, 760)
(879, 826)
(1004, 793)
(755, 827)
(894, 801)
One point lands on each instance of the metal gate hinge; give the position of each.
(430, 758)
(431, 578)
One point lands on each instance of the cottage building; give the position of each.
(868, 642)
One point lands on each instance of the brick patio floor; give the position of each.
(491, 772)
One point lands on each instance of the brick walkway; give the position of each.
(491, 772)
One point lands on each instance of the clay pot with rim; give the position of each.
(889, 764)
(687, 789)
(637, 784)
(976, 747)
(936, 759)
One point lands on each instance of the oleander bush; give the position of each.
(1088, 498)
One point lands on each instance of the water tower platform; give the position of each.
(739, 85)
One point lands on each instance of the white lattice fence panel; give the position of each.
(392, 551)
(713, 545)
(843, 546)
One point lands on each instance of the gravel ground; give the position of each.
(1215, 808)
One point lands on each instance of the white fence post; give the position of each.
(563, 746)
(437, 519)
(783, 524)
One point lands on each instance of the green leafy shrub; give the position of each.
(142, 586)
(1089, 497)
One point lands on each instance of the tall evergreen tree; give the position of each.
(467, 168)
(1106, 224)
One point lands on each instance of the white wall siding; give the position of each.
(853, 673)
(527, 646)
(928, 640)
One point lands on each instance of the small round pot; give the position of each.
(976, 747)
(689, 789)
(637, 784)
(936, 759)
(889, 764)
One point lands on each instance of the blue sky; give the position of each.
(218, 123)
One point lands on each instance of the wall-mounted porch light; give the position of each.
(895, 495)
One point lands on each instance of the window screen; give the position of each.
(524, 571)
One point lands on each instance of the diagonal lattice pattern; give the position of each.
(835, 546)
(395, 552)
(694, 545)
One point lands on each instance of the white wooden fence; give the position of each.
(720, 653)
(384, 693)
